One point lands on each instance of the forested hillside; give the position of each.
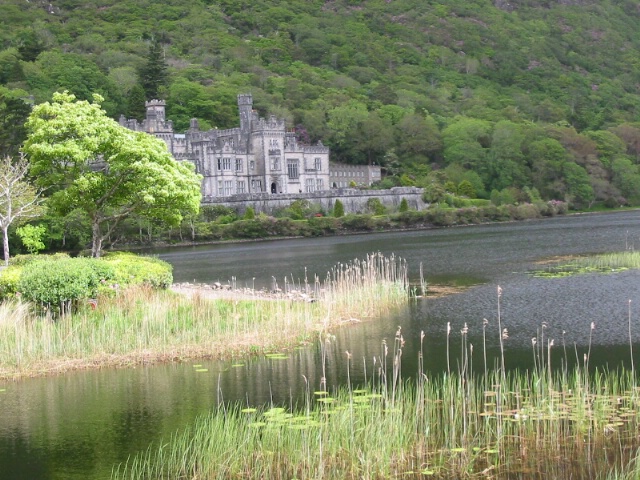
(520, 98)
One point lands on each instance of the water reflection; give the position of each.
(79, 425)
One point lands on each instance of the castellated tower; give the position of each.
(245, 106)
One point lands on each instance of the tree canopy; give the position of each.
(435, 81)
(89, 162)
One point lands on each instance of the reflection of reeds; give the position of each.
(142, 325)
(448, 427)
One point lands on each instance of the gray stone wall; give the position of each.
(353, 200)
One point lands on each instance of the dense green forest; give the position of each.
(522, 99)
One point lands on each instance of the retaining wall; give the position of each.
(353, 200)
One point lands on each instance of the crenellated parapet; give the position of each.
(272, 123)
(316, 149)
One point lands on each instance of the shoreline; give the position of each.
(183, 244)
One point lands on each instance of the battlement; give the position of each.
(315, 149)
(272, 123)
(245, 99)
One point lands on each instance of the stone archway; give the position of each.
(274, 187)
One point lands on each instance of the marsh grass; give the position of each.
(452, 426)
(145, 325)
(542, 423)
(603, 263)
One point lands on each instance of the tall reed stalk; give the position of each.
(143, 325)
(550, 428)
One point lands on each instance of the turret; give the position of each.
(245, 106)
(155, 110)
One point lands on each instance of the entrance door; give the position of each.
(274, 188)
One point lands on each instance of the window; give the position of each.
(319, 184)
(238, 164)
(226, 164)
(240, 187)
(256, 185)
(309, 185)
(275, 163)
(219, 164)
(318, 164)
(228, 188)
(292, 169)
(252, 165)
(220, 188)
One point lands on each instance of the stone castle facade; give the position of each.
(259, 156)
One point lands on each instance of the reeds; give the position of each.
(447, 427)
(542, 423)
(602, 263)
(143, 325)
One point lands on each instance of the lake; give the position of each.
(78, 425)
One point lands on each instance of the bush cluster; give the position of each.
(57, 282)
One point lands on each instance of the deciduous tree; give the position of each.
(93, 164)
(18, 199)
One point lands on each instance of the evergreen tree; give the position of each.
(136, 103)
(13, 114)
(338, 209)
(153, 75)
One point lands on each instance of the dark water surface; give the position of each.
(77, 426)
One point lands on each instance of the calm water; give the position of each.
(78, 425)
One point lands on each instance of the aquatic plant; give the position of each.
(143, 325)
(603, 263)
(519, 424)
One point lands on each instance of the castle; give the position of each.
(260, 156)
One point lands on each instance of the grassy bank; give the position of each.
(518, 425)
(146, 325)
(611, 262)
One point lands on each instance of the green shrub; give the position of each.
(525, 211)
(358, 222)
(338, 209)
(404, 206)
(409, 218)
(442, 217)
(249, 213)
(226, 219)
(375, 206)
(324, 225)
(433, 193)
(246, 229)
(58, 285)
(9, 278)
(22, 260)
(130, 269)
(466, 216)
(31, 237)
(465, 188)
(210, 213)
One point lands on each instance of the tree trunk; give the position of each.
(5, 244)
(96, 243)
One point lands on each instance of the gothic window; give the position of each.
(318, 164)
(252, 165)
(220, 188)
(238, 164)
(256, 185)
(240, 186)
(228, 188)
(309, 185)
(292, 169)
(219, 164)
(275, 163)
(319, 184)
(226, 164)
